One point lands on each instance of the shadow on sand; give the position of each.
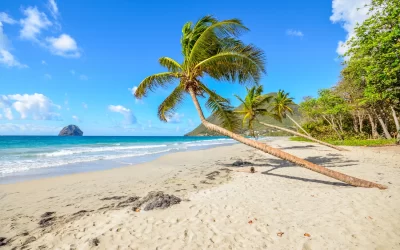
(330, 161)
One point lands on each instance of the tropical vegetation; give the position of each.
(212, 48)
(365, 103)
(253, 106)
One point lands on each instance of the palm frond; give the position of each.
(171, 103)
(241, 100)
(281, 105)
(245, 118)
(153, 81)
(190, 33)
(222, 109)
(170, 64)
(262, 100)
(245, 65)
(211, 37)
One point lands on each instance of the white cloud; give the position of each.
(5, 18)
(47, 76)
(64, 45)
(6, 58)
(36, 107)
(190, 123)
(8, 113)
(83, 77)
(76, 118)
(4, 42)
(127, 113)
(291, 32)
(133, 90)
(85, 106)
(175, 118)
(33, 24)
(9, 60)
(53, 8)
(348, 13)
(13, 129)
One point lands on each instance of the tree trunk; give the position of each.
(305, 136)
(281, 154)
(355, 123)
(396, 120)
(360, 121)
(373, 126)
(383, 125)
(298, 125)
(340, 124)
(334, 128)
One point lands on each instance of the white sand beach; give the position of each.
(281, 206)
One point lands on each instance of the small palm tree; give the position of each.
(253, 105)
(252, 109)
(212, 48)
(281, 108)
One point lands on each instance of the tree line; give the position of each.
(365, 103)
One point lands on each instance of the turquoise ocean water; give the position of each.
(32, 157)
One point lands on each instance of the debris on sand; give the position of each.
(212, 175)
(81, 212)
(47, 214)
(3, 241)
(95, 242)
(45, 222)
(112, 198)
(155, 200)
(29, 240)
(241, 163)
(130, 200)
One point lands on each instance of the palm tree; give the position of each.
(212, 48)
(281, 108)
(253, 106)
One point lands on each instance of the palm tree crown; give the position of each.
(209, 48)
(281, 105)
(253, 106)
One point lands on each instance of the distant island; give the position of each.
(71, 130)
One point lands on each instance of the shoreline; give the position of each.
(98, 165)
(279, 197)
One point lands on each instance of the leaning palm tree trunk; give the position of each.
(282, 155)
(305, 136)
(298, 125)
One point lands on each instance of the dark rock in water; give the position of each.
(240, 163)
(3, 241)
(155, 200)
(71, 130)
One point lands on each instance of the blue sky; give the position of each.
(76, 62)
